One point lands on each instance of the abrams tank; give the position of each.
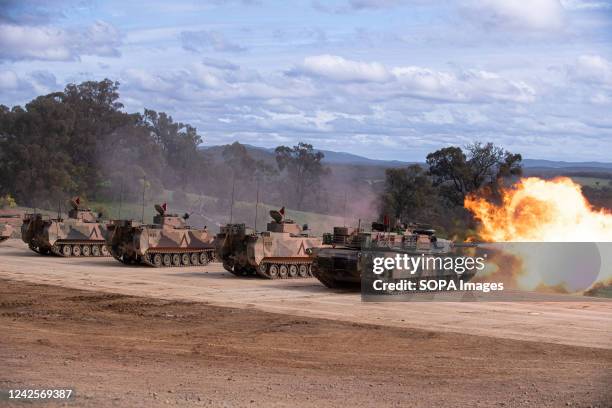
(340, 265)
(81, 234)
(167, 242)
(282, 251)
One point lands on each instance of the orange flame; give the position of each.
(537, 210)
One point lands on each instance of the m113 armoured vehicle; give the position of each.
(341, 264)
(7, 226)
(81, 234)
(283, 251)
(165, 243)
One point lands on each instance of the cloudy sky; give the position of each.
(389, 79)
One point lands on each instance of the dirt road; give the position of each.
(122, 351)
(581, 323)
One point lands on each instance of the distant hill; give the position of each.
(331, 157)
(528, 163)
(343, 158)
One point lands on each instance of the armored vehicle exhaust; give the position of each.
(167, 242)
(81, 234)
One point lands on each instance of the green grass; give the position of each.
(594, 182)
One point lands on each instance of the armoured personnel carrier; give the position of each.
(7, 226)
(283, 251)
(81, 234)
(340, 265)
(167, 242)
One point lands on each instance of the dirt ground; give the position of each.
(118, 350)
(579, 322)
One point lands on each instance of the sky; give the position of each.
(386, 79)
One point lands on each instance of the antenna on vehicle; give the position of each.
(120, 198)
(233, 190)
(144, 187)
(256, 204)
(59, 209)
(344, 211)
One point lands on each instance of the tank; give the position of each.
(340, 265)
(81, 234)
(169, 241)
(283, 251)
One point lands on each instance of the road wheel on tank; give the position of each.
(185, 259)
(273, 271)
(167, 260)
(195, 260)
(293, 271)
(158, 260)
(104, 250)
(67, 250)
(204, 258)
(95, 250)
(303, 271)
(176, 260)
(283, 271)
(310, 270)
(86, 250)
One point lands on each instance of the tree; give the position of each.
(304, 168)
(179, 143)
(78, 141)
(408, 194)
(484, 165)
(243, 165)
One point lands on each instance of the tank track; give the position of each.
(2, 239)
(303, 269)
(178, 258)
(90, 249)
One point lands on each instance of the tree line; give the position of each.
(81, 142)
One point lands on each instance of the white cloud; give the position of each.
(146, 81)
(27, 42)
(204, 40)
(339, 69)
(20, 42)
(586, 4)
(536, 15)
(8, 80)
(379, 81)
(594, 69)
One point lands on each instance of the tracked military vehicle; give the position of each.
(165, 243)
(341, 265)
(81, 234)
(282, 251)
(7, 226)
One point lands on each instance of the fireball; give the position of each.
(547, 211)
(536, 210)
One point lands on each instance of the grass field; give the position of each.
(594, 182)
